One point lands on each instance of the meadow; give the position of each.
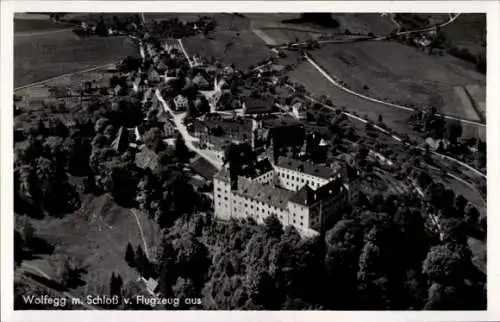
(242, 48)
(401, 74)
(96, 236)
(40, 57)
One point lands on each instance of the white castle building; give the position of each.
(301, 194)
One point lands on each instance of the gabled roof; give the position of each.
(122, 140)
(267, 194)
(201, 81)
(306, 167)
(258, 105)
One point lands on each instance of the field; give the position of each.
(317, 85)
(400, 74)
(467, 31)
(96, 235)
(242, 48)
(36, 25)
(365, 23)
(44, 56)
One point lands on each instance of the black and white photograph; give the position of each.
(253, 161)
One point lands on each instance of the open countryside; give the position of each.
(250, 161)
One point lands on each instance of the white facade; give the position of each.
(232, 203)
(298, 111)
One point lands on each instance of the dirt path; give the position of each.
(146, 251)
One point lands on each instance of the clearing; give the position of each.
(95, 235)
(400, 74)
(40, 57)
(242, 48)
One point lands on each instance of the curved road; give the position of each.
(406, 108)
(146, 251)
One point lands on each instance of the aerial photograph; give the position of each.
(249, 161)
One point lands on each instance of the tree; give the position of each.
(453, 230)
(453, 130)
(69, 272)
(444, 297)
(471, 215)
(27, 229)
(274, 227)
(101, 124)
(142, 262)
(153, 139)
(181, 150)
(18, 248)
(130, 255)
(115, 285)
(446, 263)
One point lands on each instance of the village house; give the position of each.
(232, 129)
(169, 129)
(201, 82)
(180, 103)
(125, 138)
(255, 106)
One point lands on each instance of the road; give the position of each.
(178, 121)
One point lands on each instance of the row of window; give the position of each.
(299, 179)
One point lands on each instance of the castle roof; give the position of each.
(306, 167)
(266, 194)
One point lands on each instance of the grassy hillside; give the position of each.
(39, 57)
